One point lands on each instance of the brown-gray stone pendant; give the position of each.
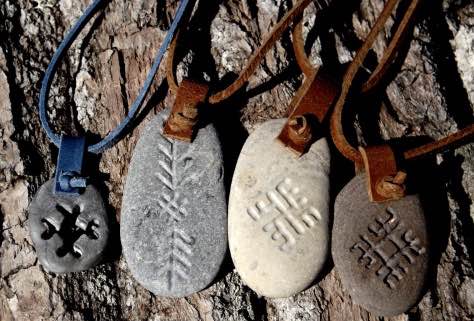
(70, 233)
(380, 250)
(173, 224)
(279, 213)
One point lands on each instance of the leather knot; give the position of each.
(184, 119)
(185, 112)
(392, 187)
(299, 129)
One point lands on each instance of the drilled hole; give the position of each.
(50, 229)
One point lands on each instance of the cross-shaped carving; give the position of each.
(70, 230)
(292, 214)
(172, 207)
(390, 248)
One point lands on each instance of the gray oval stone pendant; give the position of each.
(380, 250)
(278, 213)
(173, 223)
(70, 233)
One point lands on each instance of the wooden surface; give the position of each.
(432, 94)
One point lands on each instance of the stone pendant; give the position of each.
(174, 224)
(278, 213)
(380, 250)
(70, 233)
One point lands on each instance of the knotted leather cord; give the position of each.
(309, 71)
(337, 131)
(377, 75)
(254, 60)
(302, 58)
(114, 135)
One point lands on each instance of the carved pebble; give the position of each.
(70, 234)
(278, 213)
(173, 223)
(380, 250)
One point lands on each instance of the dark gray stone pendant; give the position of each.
(174, 213)
(70, 233)
(279, 213)
(381, 250)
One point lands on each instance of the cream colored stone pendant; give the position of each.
(278, 213)
(380, 250)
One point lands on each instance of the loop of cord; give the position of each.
(304, 62)
(254, 60)
(302, 58)
(392, 50)
(337, 131)
(377, 75)
(114, 136)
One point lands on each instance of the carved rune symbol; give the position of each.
(294, 216)
(389, 248)
(170, 202)
(175, 170)
(176, 263)
(71, 227)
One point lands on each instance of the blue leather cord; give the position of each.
(114, 135)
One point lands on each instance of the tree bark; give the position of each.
(431, 94)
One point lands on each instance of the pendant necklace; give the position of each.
(67, 217)
(279, 199)
(173, 221)
(381, 242)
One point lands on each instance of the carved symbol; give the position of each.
(171, 203)
(71, 227)
(173, 207)
(174, 172)
(293, 214)
(176, 262)
(389, 248)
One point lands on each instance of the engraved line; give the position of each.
(279, 203)
(166, 167)
(182, 273)
(166, 181)
(189, 240)
(164, 150)
(180, 258)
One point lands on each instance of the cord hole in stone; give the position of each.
(50, 229)
(91, 230)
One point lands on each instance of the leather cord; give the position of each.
(114, 136)
(254, 60)
(337, 131)
(302, 58)
(377, 75)
(442, 144)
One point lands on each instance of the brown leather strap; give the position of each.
(254, 60)
(337, 131)
(392, 50)
(184, 114)
(384, 181)
(383, 66)
(298, 46)
(170, 76)
(336, 121)
(312, 103)
(450, 141)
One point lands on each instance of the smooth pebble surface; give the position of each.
(278, 213)
(70, 233)
(380, 250)
(174, 222)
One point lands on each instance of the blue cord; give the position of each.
(114, 136)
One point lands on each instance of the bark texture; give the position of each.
(432, 94)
